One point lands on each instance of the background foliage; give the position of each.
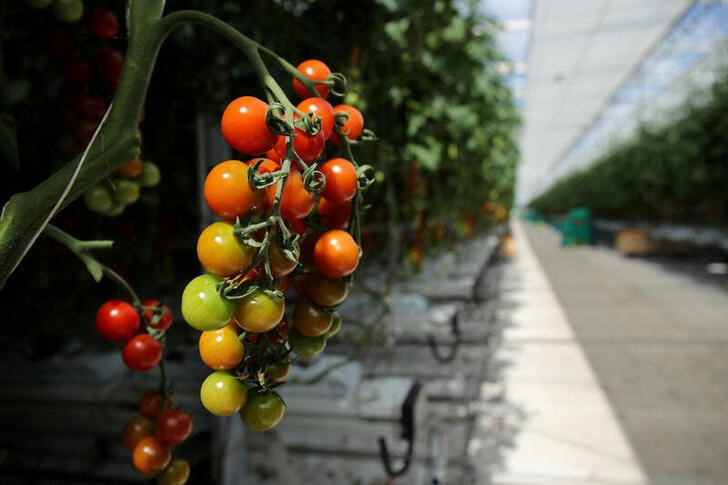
(422, 72)
(674, 172)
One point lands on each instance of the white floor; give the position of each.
(564, 429)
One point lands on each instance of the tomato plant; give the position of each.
(221, 349)
(68, 10)
(134, 430)
(244, 127)
(173, 426)
(203, 307)
(259, 311)
(322, 109)
(150, 456)
(335, 326)
(308, 147)
(306, 347)
(280, 264)
(296, 202)
(352, 126)
(220, 252)
(277, 372)
(263, 410)
(336, 254)
(177, 473)
(142, 353)
(310, 319)
(156, 314)
(332, 215)
(223, 394)
(316, 71)
(150, 403)
(341, 180)
(227, 191)
(326, 292)
(102, 23)
(117, 320)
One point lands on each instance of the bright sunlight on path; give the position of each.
(568, 433)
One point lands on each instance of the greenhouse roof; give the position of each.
(583, 71)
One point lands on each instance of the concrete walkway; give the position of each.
(565, 431)
(657, 341)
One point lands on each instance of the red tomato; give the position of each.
(244, 127)
(296, 202)
(321, 108)
(227, 191)
(353, 127)
(267, 166)
(141, 353)
(308, 147)
(112, 61)
(102, 23)
(150, 404)
(316, 71)
(334, 216)
(117, 320)
(340, 180)
(272, 154)
(298, 226)
(90, 106)
(336, 254)
(173, 426)
(76, 72)
(163, 321)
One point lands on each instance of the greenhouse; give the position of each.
(378, 242)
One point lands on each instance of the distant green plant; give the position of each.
(675, 172)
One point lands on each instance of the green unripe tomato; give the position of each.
(98, 199)
(306, 347)
(150, 175)
(126, 192)
(114, 210)
(202, 306)
(39, 4)
(68, 10)
(335, 325)
(263, 410)
(223, 394)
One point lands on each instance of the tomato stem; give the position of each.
(96, 268)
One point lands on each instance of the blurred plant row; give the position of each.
(674, 172)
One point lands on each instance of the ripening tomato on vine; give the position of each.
(274, 207)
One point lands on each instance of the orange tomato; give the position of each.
(227, 191)
(336, 254)
(221, 349)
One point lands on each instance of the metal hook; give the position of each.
(454, 345)
(407, 421)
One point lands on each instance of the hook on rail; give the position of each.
(407, 423)
(453, 346)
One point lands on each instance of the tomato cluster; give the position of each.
(90, 69)
(285, 214)
(150, 435)
(119, 321)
